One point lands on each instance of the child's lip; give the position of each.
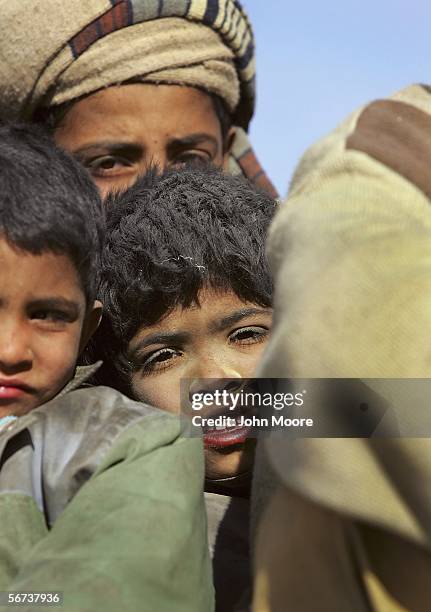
(220, 438)
(13, 388)
(229, 434)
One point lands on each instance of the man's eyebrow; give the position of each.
(114, 146)
(72, 307)
(237, 316)
(192, 139)
(159, 338)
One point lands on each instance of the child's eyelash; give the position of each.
(150, 363)
(249, 335)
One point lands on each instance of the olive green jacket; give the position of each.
(101, 499)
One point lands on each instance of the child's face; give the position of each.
(223, 337)
(43, 325)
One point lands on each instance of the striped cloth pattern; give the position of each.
(243, 161)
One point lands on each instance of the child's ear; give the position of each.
(230, 137)
(91, 323)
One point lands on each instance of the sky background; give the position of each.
(318, 61)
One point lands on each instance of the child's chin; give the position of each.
(17, 409)
(229, 461)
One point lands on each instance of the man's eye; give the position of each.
(157, 361)
(106, 165)
(192, 157)
(249, 335)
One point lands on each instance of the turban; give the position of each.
(54, 52)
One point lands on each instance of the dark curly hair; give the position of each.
(169, 236)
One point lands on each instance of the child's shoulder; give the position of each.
(83, 411)
(96, 464)
(70, 438)
(87, 419)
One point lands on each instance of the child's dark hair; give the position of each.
(48, 202)
(169, 236)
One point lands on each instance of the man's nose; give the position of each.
(156, 159)
(15, 349)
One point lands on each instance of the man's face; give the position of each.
(42, 323)
(223, 337)
(118, 132)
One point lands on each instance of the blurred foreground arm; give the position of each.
(350, 528)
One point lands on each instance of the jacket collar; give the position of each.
(82, 374)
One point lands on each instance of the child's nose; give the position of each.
(214, 367)
(15, 350)
(209, 385)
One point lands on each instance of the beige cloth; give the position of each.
(311, 558)
(351, 253)
(169, 50)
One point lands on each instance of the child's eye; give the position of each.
(54, 317)
(249, 335)
(158, 361)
